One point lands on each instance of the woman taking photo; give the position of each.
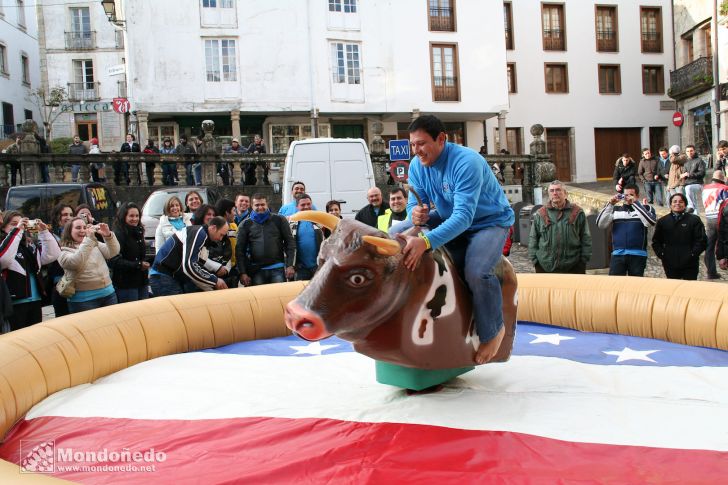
(84, 257)
(171, 221)
(21, 258)
(60, 215)
(131, 271)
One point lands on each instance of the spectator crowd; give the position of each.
(76, 263)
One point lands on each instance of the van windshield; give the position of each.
(154, 206)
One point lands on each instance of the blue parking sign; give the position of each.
(399, 150)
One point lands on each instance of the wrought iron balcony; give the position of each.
(553, 40)
(88, 91)
(691, 79)
(446, 89)
(442, 19)
(81, 40)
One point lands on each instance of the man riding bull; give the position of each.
(471, 220)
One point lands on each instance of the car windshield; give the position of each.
(154, 206)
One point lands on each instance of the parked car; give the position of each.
(37, 201)
(154, 208)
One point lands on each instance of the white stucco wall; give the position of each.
(583, 108)
(284, 60)
(105, 54)
(19, 40)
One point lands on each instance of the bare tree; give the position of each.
(49, 104)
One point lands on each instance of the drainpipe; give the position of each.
(311, 88)
(716, 73)
(674, 66)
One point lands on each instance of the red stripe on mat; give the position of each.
(282, 450)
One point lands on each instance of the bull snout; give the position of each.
(305, 323)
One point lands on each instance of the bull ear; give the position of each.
(386, 247)
(329, 221)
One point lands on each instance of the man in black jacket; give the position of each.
(679, 240)
(121, 169)
(265, 249)
(180, 260)
(375, 208)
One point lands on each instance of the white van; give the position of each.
(332, 169)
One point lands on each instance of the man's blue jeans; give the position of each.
(124, 295)
(475, 254)
(165, 285)
(653, 192)
(627, 265)
(267, 276)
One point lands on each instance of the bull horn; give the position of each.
(386, 247)
(329, 221)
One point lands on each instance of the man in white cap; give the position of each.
(675, 181)
(236, 148)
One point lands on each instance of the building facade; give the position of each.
(692, 83)
(84, 54)
(19, 65)
(291, 69)
(594, 75)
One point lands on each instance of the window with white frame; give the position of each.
(218, 13)
(346, 63)
(346, 6)
(25, 66)
(220, 60)
(20, 4)
(4, 60)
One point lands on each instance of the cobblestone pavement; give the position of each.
(519, 259)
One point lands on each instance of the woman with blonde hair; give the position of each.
(84, 257)
(171, 221)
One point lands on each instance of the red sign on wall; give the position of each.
(121, 105)
(678, 119)
(399, 170)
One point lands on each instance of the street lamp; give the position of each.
(110, 11)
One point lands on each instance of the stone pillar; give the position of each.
(143, 125)
(133, 171)
(502, 132)
(29, 146)
(415, 114)
(235, 120)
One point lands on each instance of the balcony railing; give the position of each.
(81, 40)
(651, 42)
(88, 91)
(691, 79)
(553, 40)
(606, 41)
(442, 19)
(446, 89)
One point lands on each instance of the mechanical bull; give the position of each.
(363, 293)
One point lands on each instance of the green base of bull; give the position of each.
(415, 379)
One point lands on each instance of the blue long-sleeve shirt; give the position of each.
(464, 190)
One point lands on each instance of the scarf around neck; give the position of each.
(260, 218)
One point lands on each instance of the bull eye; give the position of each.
(357, 280)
